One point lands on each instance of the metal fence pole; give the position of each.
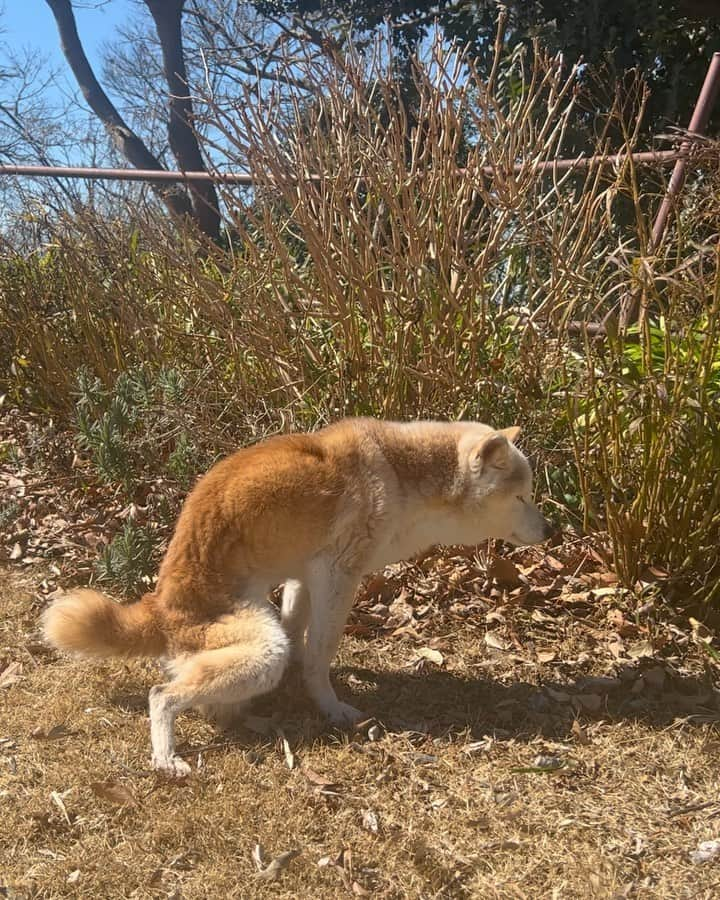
(631, 309)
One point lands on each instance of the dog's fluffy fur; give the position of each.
(317, 512)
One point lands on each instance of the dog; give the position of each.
(316, 512)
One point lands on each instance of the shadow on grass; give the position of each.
(438, 704)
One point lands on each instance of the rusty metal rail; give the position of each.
(652, 157)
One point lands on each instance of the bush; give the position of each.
(139, 428)
(129, 560)
(400, 262)
(647, 431)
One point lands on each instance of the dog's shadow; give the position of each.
(438, 703)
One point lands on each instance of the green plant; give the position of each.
(182, 462)
(104, 420)
(136, 429)
(129, 559)
(647, 437)
(9, 511)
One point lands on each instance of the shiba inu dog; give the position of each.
(316, 512)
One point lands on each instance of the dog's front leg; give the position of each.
(331, 597)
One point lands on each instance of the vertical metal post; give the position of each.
(698, 124)
(631, 307)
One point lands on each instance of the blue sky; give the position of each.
(30, 24)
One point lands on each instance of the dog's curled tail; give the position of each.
(87, 622)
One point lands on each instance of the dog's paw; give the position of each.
(342, 714)
(172, 766)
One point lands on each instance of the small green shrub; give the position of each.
(182, 462)
(129, 561)
(9, 511)
(647, 441)
(136, 429)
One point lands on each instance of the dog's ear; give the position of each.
(512, 434)
(493, 451)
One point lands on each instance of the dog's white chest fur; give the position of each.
(415, 535)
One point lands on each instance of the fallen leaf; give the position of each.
(338, 860)
(494, 615)
(434, 656)
(617, 621)
(16, 552)
(496, 641)
(10, 674)
(537, 615)
(57, 731)
(73, 876)
(400, 610)
(641, 650)
(601, 592)
(59, 801)
(579, 733)
(323, 784)
(370, 821)
(546, 656)
(706, 852)
(277, 866)
(608, 578)
(113, 791)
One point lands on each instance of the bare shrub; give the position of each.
(408, 259)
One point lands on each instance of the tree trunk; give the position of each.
(124, 138)
(167, 15)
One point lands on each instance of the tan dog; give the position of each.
(317, 512)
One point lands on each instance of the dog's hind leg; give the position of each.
(251, 660)
(296, 615)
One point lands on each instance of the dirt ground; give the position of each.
(489, 769)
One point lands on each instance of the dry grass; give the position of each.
(455, 817)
